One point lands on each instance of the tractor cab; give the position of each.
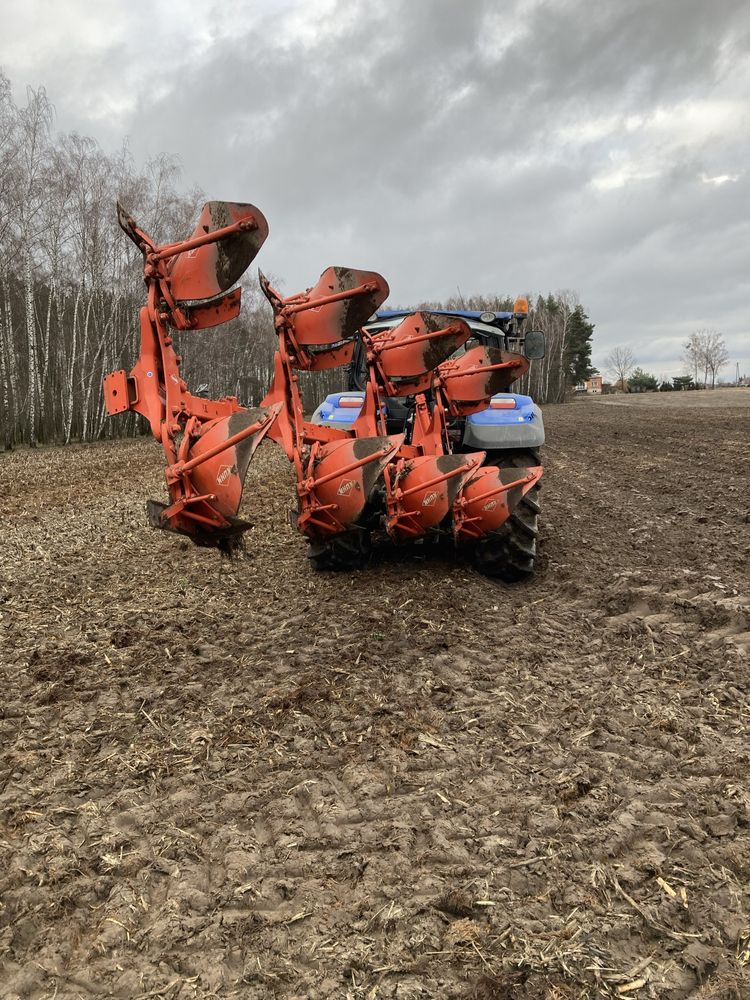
(512, 420)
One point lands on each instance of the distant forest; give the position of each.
(71, 285)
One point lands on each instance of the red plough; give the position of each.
(208, 444)
(349, 482)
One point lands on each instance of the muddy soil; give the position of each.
(242, 779)
(731, 396)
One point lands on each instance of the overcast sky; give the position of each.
(485, 145)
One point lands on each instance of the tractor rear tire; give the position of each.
(510, 554)
(348, 551)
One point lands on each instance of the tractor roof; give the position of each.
(475, 314)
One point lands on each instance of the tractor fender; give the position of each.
(339, 409)
(518, 424)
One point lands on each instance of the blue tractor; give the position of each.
(510, 430)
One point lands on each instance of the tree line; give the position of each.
(704, 353)
(71, 286)
(69, 282)
(568, 336)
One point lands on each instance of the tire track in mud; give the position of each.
(713, 617)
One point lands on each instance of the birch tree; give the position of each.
(29, 200)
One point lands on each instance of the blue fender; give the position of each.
(503, 425)
(331, 412)
(496, 427)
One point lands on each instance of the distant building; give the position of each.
(593, 385)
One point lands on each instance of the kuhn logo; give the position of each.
(224, 473)
(490, 505)
(430, 499)
(346, 487)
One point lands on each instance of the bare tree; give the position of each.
(8, 170)
(621, 362)
(31, 197)
(705, 350)
(693, 354)
(716, 354)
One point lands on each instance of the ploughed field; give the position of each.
(242, 779)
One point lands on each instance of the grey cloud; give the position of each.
(409, 137)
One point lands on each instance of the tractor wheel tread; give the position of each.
(531, 501)
(528, 527)
(510, 553)
(520, 552)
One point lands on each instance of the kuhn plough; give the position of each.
(349, 482)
